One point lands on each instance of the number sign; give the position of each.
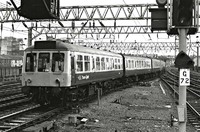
(184, 77)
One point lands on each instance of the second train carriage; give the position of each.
(137, 65)
(54, 70)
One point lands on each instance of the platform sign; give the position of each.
(184, 77)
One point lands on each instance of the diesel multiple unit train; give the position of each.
(56, 71)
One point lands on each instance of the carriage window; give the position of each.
(30, 62)
(119, 64)
(129, 63)
(126, 64)
(102, 63)
(132, 63)
(87, 63)
(97, 63)
(112, 63)
(115, 63)
(142, 65)
(107, 64)
(44, 62)
(93, 63)
(58, 62)
(136, 64)
(139, 64)
(80, 63)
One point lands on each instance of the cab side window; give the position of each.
(79, 63)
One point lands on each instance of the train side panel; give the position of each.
(137, 65)
(91, 68)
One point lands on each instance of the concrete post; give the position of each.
(182, 89)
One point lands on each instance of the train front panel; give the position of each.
(46, 69)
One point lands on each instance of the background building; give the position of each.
(11, 46)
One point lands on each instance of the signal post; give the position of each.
(182, 108)
(183, 62)
(183, 22)
(179, 18)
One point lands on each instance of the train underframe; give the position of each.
(72, 95)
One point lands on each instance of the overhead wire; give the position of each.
(136, 23)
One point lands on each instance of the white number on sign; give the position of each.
(187, 80)
(184, 77)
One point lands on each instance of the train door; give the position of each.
(73, 70)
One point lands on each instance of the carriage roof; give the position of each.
(62, 46)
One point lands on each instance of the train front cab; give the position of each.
(44, 74)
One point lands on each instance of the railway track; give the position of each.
(193, 95)
(10, 101)
(9, 89)
(17, 110)
(26, 117)
(11, 95)
(26, 114)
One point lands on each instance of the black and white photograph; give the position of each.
(99, 66)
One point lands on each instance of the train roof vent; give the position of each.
(45, 45)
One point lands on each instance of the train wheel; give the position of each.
(56, 96)
(40, 95)
(44, 96)
(34, 94)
